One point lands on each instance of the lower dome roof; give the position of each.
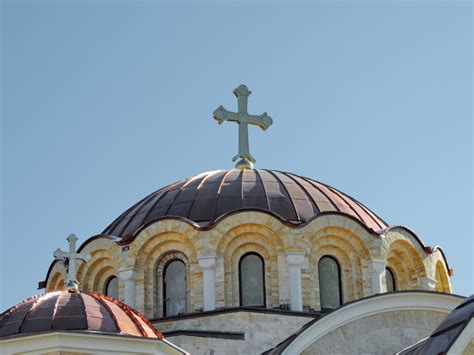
(206, 197)
(75, 310)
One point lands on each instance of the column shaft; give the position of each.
(128, 277)
(295, 260)
(378, 276)
(208, 265)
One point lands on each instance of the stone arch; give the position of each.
(56, 283)
(347, 227)
(400, 272)
(353, 257)
(146, 262)
(105, 258)
(238, 241)
(57, 273)
(406, 262)
(100, 280)
(158, 284)
(93, 275)
(163, 227)
(442, 278)
(249, 228)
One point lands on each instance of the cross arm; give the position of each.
(263, 121)
(221, 115)
(59, 254)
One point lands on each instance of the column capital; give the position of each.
(378, 266)
(128, 274)
(207, 262)
(295, 257)
(427, 283)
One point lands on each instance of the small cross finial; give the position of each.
(71, 282)
(243, 118)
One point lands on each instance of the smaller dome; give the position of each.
(75, 310)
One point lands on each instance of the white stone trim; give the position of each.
(208, 265)
(86, 343)
(377, 274)
(398, 301)
(295, 261)
(128, 277)
(463, 340)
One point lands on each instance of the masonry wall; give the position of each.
(353, 246)
(380, 334)
(262, 331)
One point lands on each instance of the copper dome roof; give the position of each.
(206, 197)
(75, 310)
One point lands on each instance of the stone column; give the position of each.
(428, 284)
(208, 265)
(377, 271)
(295, 260)
(128, 277)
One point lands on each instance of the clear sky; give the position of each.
(104, 102)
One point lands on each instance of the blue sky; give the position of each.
(103, 103)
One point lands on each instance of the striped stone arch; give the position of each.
(232, 246)
(160, 227)
(56, 276)
(93, 275)
(443, 283)
(352, 254)
(349, 227)
(149, 254)
(104, 263)
(405, 256)
(240, 222)
(405, 261)
(56, 282)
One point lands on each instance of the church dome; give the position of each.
(77, 311)
(207, 197)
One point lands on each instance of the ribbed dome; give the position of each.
(206, 197)
(75, 310)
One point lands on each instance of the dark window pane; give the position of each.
(174, 287)
(252, 286)
(390, 280)
(329, 283)
(111, 289)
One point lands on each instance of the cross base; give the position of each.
(71, 285)
(244, 164)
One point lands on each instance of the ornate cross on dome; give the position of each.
(71, 281)
(242, 117)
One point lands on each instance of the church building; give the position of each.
(252, 261)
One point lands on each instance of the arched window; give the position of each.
(174, 288)
(252, 280)
(329, 283)
(390, 280)
(111, 287)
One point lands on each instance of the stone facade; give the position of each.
(381, 334)
(360, 252)
(261, 331)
